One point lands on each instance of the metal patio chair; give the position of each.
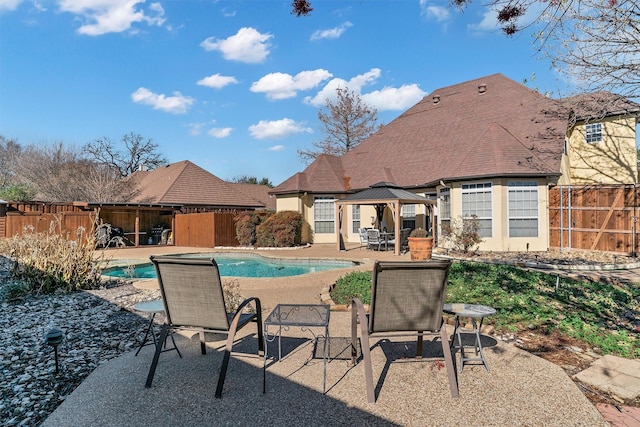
(193, 300)
(407, 298)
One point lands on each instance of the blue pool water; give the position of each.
(239, 265)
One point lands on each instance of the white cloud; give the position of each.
(441, 14)
(217, 81)
(220, 132)
(332, 33)
(277, 129)
(176, 104)
(9, 5)
(247, 45)
(391, 98)
(355, 84)
(283, 86)
(111, 16)
(195, 129)
(276, 148)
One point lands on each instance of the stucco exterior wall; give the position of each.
(610, 161)
(500, 240)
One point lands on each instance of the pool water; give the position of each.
(238, 265)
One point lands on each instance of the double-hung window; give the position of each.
(476, 200)
(523, 209)
(444, 208)
(355, 218)
(593, 132)
(408, 216)
(324, 215)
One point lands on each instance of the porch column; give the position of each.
(396, 227)
(136, 229)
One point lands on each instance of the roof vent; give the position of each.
(482, 88)
(436, 99)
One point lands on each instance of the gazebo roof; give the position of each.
(383, 192)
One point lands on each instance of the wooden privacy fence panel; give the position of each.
(67, 223)
(594, 218)
(205, 230)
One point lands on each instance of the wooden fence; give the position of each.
(600, 218)
(205, 230)
(70, 224)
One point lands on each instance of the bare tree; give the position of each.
(10, 151)
(597, 44)
(345, 123)
(138, 152)
(62, 174)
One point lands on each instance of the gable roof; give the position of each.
(188, 184)
(486, 127)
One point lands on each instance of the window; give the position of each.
(324, 215)
(355, 218)
(476, 200)
(408, 216)
(593, 132)
(523, 209)
(444, 208)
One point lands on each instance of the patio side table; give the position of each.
(474, 312)
(304, 316)
(153, 307)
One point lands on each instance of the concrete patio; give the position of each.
(521, 389)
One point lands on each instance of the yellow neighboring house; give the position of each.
(489, 147)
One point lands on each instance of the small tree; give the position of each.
(463, 234)
(244, 179)
(345, 123)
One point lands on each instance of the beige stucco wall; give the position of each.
(500, 240)
(610, 161)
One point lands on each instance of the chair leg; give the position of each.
(366, 350)
(156, 355)
(448, 361)
(203, 346)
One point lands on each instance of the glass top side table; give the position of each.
(304, 316)
(474, 312)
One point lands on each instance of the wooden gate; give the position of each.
(205, 230)
(600, 218)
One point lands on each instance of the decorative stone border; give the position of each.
(545, 266)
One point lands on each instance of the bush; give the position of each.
(282, 229)
(463, 233)
(246, 223)
(356, 284)
(49, 262)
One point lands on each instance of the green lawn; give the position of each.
(597, 313)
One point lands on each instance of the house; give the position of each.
(198, 190)
(489, 147)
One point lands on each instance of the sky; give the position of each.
(235, 86)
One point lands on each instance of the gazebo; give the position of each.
(381, 195)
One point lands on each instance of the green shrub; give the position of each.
(356, 284)
(246, 223)
(282, 229)
(50, 262)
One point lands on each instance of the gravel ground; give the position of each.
(97, 326)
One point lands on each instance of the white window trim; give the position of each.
(483, 189)
(327, 200)
(353, 217)
(593, 133)
(522, 185)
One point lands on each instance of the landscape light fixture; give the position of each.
(54, 338)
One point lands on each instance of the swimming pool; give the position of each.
(239, 265)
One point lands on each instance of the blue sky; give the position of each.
(235, 86)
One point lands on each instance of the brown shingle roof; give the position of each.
(257, 192)
(188, 184)
(490, 126)
(599, 104)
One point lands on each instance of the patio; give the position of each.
(520, 390)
